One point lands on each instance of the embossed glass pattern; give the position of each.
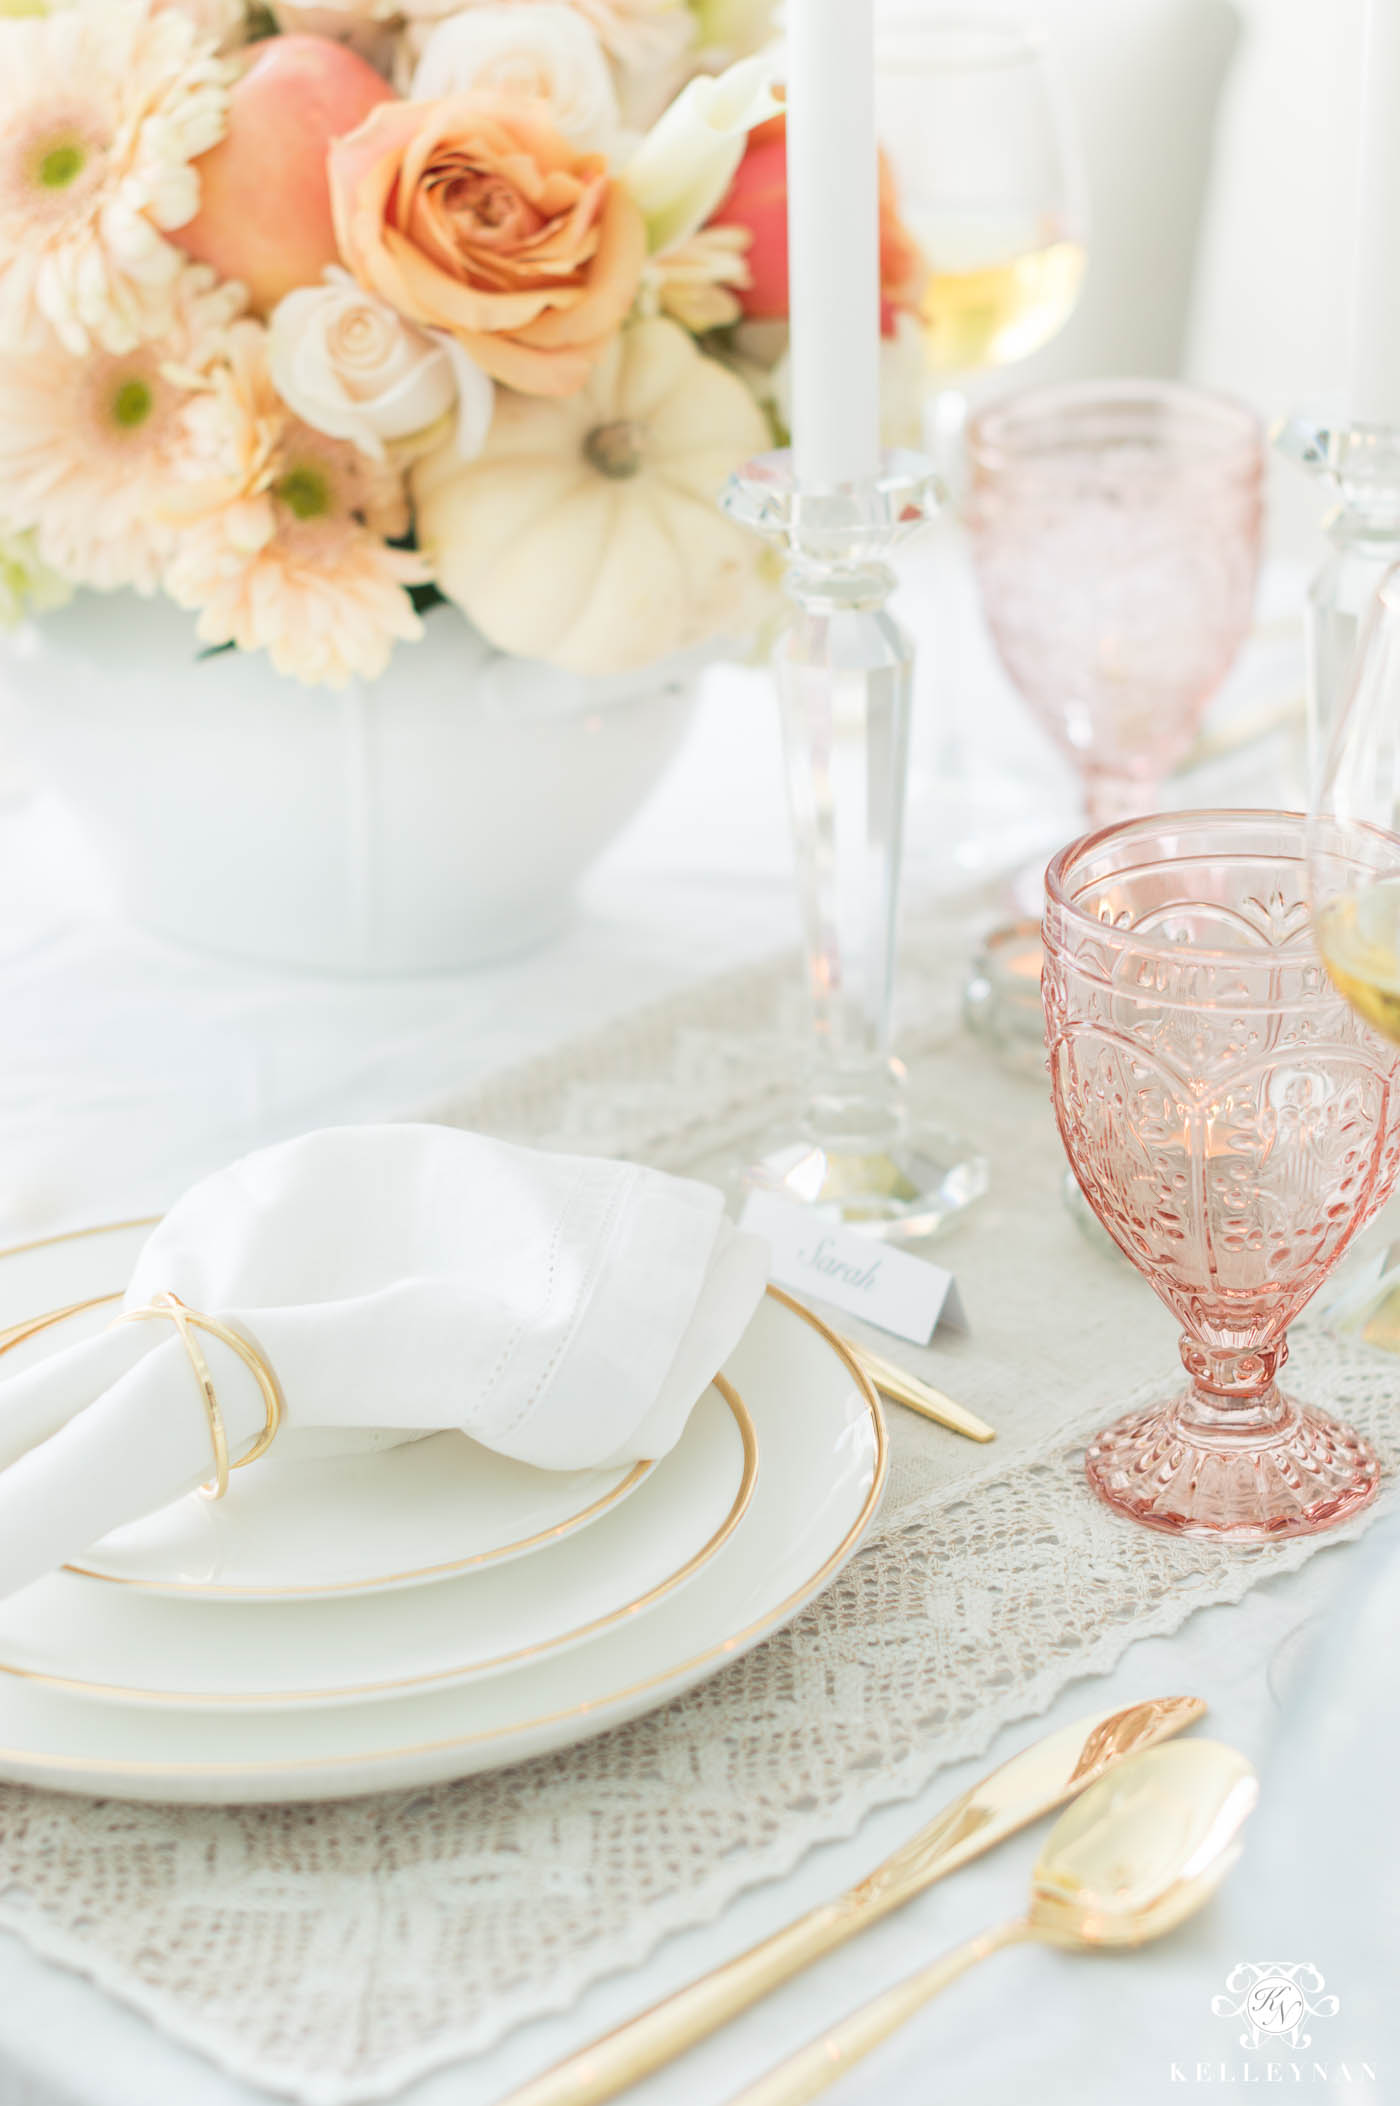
(1115, 531)
(1233, 1123)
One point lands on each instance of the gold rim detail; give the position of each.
(289, 1699)
(727, 1648)
(378, 1583)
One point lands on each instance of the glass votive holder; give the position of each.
(1001, 1002)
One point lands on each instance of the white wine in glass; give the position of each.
(996, 290)
(1354, 884)
(984, 156)
(1354, 842)
(1359, 937)
(986, 168)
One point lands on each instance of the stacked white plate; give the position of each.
(403, 1616)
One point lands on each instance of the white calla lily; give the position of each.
(688, 159)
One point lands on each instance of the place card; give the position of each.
(892, 1289)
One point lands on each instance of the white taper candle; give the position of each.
(834, 241)
(1375, 341)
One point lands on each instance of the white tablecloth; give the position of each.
(126, 1069)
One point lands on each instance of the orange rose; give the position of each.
(473, 216)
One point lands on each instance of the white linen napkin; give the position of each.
(564, 1310)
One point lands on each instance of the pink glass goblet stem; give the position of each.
(1233, 1124)
(1113, 794)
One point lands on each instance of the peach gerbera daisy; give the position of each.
(102, 111)
(285, 547)
(92, 448)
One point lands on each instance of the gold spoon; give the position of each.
(1136, 1854)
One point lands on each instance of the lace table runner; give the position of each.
(334, 1952)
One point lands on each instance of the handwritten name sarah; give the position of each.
(822, 1258)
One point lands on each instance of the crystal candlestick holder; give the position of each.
(1359, 467)
(857, 1153)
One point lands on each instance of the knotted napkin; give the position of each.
(563, 1310)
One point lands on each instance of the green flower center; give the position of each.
(305, 491)
(62, 164)
(132, 404)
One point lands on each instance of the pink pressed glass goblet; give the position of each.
(1233, 1124)
(1115, 533)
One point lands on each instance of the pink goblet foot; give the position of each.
(1287, 1470)
(1233, 1124)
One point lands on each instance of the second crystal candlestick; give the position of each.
(857, 1153)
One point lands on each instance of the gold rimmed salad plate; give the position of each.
(821, 1442)
(302, 1525)
(139, 1649)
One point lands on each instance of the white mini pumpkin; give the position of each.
(586, 533)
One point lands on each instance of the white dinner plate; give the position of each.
(125, 1647)
(346, 1524)
(822, 1444)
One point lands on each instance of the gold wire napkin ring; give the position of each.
(187, 1322)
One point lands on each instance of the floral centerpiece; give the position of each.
(311, 318)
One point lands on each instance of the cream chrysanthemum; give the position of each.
(91, 449)
(285, 550)
(102, 111)
(698, 281)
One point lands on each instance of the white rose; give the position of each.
(544, 51)
(688, 159)
(349, 365)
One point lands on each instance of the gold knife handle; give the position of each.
(972, 1824)
(911, 1390)
(607, 2066)
(803, 2075)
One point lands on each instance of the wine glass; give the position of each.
(1115, 535)
(1356, 903)
(1233, 1124)
(977, 128)
(981, 142)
